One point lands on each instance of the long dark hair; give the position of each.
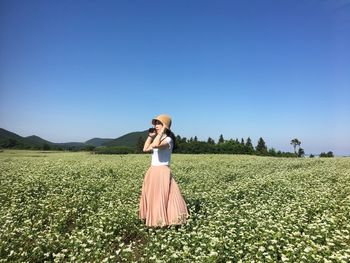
(172, 136)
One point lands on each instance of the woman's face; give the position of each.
(157, 125)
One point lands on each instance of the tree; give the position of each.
(249, 148)
(221, 139)
(261, 148)
(272, 152)
(89, 148)
(10, 143)
(195, 139)
(249, 142)
(210, 141)
(301, 152)
(242, 142)
(295, 142)
(46, 147)
(329, 154)
(140, 144)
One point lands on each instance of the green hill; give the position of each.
(129, 140)
(4, 135)
(98, 141)
(36, 140)
(12, 140)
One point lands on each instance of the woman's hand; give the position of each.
(152, 134)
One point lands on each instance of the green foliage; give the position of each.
(272, 152)
(295, 142)
(133, 143)
(301, 152)
(230, 146)
(285, 154)
(140, 143)
(261, 148)
(329, 154)
(46, 147)
(129, 140)
(249, 148)
(97, 141)
(89, 148)
(211, 141)
(9, 143)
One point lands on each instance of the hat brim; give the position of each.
(153, 123)
(154, 120)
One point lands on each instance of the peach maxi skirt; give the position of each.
(161, 202)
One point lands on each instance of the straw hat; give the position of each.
(163, 118)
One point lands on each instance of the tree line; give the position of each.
(182, 145)
(232, 146)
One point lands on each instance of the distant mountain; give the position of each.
(98, 141)
(35, 140)
(5, 134)
(129, 140)
(9, 140)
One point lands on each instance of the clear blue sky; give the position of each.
(74, 70)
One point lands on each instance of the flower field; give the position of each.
(80, 207)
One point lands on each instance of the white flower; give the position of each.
(213, 254)
(261, 249)
(284, 258)
(308, 249)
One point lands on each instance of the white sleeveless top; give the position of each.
(162, 156)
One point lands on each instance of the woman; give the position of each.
(161, 202)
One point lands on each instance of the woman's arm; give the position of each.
(158, 142)
(147, 146)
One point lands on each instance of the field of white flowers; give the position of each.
(80, 207)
